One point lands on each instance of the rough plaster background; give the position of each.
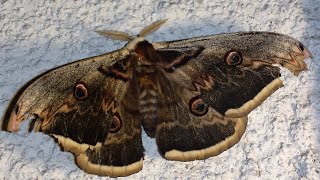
(282, 138)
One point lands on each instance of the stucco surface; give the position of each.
(282, 137)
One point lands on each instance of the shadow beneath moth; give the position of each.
(193, 96)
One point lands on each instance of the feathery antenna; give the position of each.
(122, 36)
(151, 28)
(115, 35)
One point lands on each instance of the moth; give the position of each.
(193, 96)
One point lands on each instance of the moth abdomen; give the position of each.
(148, 102)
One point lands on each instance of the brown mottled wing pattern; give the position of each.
(211, 86)
(192, 95)
(89, 112)
(183, 135)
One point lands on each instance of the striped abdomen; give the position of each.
(149, 109)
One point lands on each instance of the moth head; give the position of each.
(145, 53)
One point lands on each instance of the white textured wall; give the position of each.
(282, 138)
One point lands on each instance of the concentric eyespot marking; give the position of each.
(116, 124)
(233, 58)
(198, 107)
(80, 91)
